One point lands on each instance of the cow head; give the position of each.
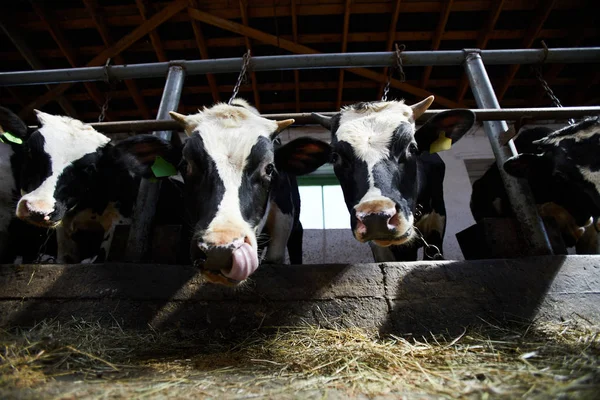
(567, 163)
(66, 161)
(375, 154)
(229, 167)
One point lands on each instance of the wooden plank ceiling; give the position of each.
(78, 33)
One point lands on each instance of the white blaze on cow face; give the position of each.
(369, 130)
(228, 134)
(66, 140)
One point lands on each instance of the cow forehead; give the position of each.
(370, 129)
(67, 140)
(229, 133)
(581, 132)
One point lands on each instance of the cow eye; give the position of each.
(413, 149)
(335, 157)
(269, 169)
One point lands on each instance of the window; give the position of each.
(323, 207)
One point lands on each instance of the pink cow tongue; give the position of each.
(245, 262)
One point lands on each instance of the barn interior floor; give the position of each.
(499, 328)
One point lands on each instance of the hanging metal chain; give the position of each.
(108, 95)
(430, 250)
(398, 66)
(242, 78)
(537, 70)
(42, 251)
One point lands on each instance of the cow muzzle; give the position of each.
(227, 265)
(384, 226)
(28, 211)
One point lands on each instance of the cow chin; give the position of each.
(388, 240)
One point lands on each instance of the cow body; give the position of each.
(391, 181)
(74, 181)
(563, 172)
(239, 187)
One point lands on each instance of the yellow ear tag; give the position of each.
(440, 144)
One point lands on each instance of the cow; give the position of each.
(563, 171)
(75, 181)
(391, 178)
(240, 186)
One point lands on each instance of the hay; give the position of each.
(537, 361)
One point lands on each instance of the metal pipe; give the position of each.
(140, 234)
(508, 114)
(299, 61)
(518, 190)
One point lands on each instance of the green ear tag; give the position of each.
(162, 168)
(11, 138)
(440, 144)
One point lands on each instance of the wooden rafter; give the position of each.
(154, 37)
(127, 15)
(301, 49)
(117, 48)
(482, 40)
(201, 44)
(391, 36)
(65, 47)
(102, 28)
(437, 38)
(340, 90)
(542, 13)
(295, 37)
(353, 37)
(243, 11)
(34, 62)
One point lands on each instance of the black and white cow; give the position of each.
(239, 185)
(75, 181)
(391, 181)
(563, 171)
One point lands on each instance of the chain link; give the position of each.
(398, 66)
(537, 70)
(242, 78)
(430, 250)
(42, 250)
(108, 95)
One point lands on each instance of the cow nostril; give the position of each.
(394, 220)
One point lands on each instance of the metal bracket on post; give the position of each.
(140, 235)
(518, 190)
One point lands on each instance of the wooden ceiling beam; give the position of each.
(391, 36)
(201, 44)
(340, 88)
(482, 41)
(541, 15)
(244, 12)
(301, 49)
(437, 38)
(117, 48)
(353, 37)
(100, 22)
(295, 38)
(30, 56)
(65, 47)
(128, 15)
(154, 36)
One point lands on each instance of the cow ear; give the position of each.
(444, 129)
(12, 128)
(302, 156)
(148, 156)
(528, 165)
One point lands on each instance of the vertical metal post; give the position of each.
(518, 190)
(140, 234)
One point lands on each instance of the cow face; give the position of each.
(230, 166)
(375, 154)
(67, 162)
(566, 161)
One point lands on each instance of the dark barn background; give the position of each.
(64, 34)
